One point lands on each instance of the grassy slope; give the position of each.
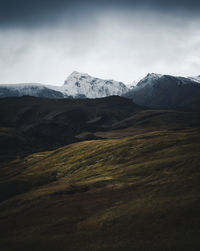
(135, 193)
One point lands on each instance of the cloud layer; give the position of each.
(47, 40)
(14, 12)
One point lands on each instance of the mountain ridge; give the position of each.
(154, 90)
(30, 89)
(167, 92)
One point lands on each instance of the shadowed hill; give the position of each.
(29, 124)
(49, 123)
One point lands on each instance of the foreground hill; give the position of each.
(134, 193)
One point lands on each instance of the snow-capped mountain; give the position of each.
(82, 84)
(154, 90)
(166, 91)
(77, 85)
(154, 78)
(36, 90)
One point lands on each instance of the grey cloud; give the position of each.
(34, 13)
(116, 44)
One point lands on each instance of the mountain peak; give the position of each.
(149, 78)
(153, 74)
(76, 76)
(83, 84)
(76, 73)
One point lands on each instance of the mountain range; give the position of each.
(154, 90)
(77, 85)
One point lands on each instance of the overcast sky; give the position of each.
(44, 41)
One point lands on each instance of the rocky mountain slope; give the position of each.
(165, 91)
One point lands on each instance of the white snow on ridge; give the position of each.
(196, 79)
(80, 85)
(54, 87)
(132, 85)
(28, 89)
(84, 84)
(22, 85)
(24, 89)
(153, 78)
(149, 79)
(76, 85)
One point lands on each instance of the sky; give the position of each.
(45, 41)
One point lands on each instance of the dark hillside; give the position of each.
(34, 124)
(29, 124)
